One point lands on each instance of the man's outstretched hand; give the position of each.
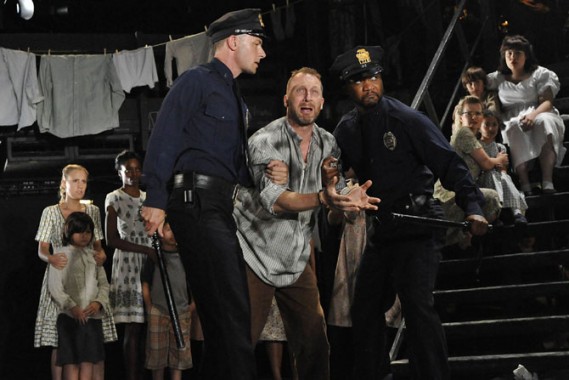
(356, 200)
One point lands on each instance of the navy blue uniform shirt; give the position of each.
(399, 149)
(199, 128)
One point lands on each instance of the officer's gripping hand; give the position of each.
(153, 219)
(277, 172)
(478, 224)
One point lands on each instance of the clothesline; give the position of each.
(76, 51)
(274, 9)
(48, 88)
(79, 52)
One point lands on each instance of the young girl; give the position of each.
(498, 177)
(126, 234)
(81, 290)
(464, 141)
(72, 190)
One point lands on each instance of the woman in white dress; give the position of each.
(534, 129)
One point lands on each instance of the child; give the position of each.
(161, 349)
(498, 178)
(469, 148)
(474, 81)
(125, 233)
(81, 290)
(73, 186)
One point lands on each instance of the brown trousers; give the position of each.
(303, 319)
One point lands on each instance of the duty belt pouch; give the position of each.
(386, 228)
(182, 186)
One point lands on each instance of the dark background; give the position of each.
(323, 28)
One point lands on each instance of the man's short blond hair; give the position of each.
(305, 70)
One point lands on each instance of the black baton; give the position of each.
(168, 291)
(433, 222)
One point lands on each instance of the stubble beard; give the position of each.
(301, 120)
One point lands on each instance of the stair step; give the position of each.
(505, 262)
(558, 199)
(561, 177)
(501, 293)
(548, 207)
(501, 327)
(505, 363)
(549, 227)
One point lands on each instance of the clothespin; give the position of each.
(287, 3)
(205, 27)
(170, 37)
(105, 51)
(274, 7)
(116, 51)
(49, 52)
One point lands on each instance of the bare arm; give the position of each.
(545, 101)
(488, 163)
(289, 201)
(355, 200)
(114, 239)
(57, 260)
(100, 255)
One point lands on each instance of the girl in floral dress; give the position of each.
(126, 234)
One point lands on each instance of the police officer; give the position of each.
(402, 152)
(199, 140)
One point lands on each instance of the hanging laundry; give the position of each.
(82, 95)
(188, 52)
(136, 68)
(19, 89)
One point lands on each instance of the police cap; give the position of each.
(244, 21)
(358, 62)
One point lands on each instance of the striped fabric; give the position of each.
(276, 247)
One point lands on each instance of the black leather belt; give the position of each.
(192, 180)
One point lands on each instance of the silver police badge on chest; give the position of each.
(390, 141)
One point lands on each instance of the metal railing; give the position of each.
(423, 98)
